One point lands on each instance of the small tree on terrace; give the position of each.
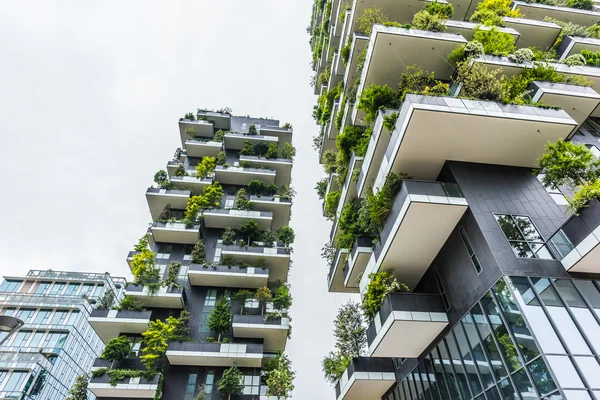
(241, 296)
(280, 381)
(220, 317)
(231, 381)
(263, 295)
(286, 235)
(349, 330)
(79, 389)
(241, 201)
(250, 230)
(206, 166)
(198, 255)
(156, 341)
(106, 301)
(117, 349)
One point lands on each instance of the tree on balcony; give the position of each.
(288, 151)
(247, 149)
(106, 301)
(228, 237)
(181, 330)
(250, 230)
(272, 151)
(349, 330)
(220, 317)
(282, 298)
(256, 187)
(198, 255)
(142, 244)
(190, 133)
(143, 268)
(130, 303)
(252, 130)
(116, 349)
(205, 167)
(240, 297)
(380, 285)
(156, 341)
(263, 295)
(211, 198)
(241, 200)
(280, 376)
(189, 116)
(231, 381)
(286, 235)
(79, 389)
(221, 158)
(268, 238)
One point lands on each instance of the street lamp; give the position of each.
(10, 325)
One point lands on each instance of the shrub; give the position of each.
(334, 365)
(374, 98)
(490, 12)
(494, 41)
(106, 301)
(575, 59)
(205, 167)
(522, 55)
(155, 343)
(219, 135)
(370, 17)
(324, 77)
(436, 7)
(268, 238)
(142, 244)
(587, 192)
(389, 121)
(117, 349)
(288, 151)
(198, 255)
(478, 82)
(380, 285)
(581, 4)
(256, 187)
(413, 80)
(160, 177)
(425, 21)
(347, 141)
(249, 228)
(189, 116)
(219, 320)
(272, 151)
(263, 295)
(143, 268)
(210, 199)
(252, 130)
(241, 201)
(280, 377)
(345, 52)
(247, 149)
(221, 158)
(228, 237)
(130, 303)
(286, 235)
(591, 58)
(465, 51)
(271, 190)
(321, 187)
(376, 207)
(180, 171)
(282, 298)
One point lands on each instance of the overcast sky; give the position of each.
(90, 95)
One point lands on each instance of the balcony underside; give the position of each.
(169, 235)
(283, 135)
(357, 266)
(210, 277)
(275, 336)
(202, 128)
(195, 148)
(359, 44)
(109, 328)
(367, 386)
(158, 201)
(281, 210)
(566, 14)
(242, 176)
(467, 29)
(214, 359)
(161, 299)
(123, 391)
(578, 101)
(233, 219)
(195, 185)
(533, 33)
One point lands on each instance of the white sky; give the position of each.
(90, 95)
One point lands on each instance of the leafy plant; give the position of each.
(221, 158)
(436, 7)
(587, 192)
(211, 198)
(370, 17)
(349, 330)
(252, 130)
(256, 187)
(374, 98)
(155, 341)
(591, 58)
(522, 55)
(228, 237)
(477, 82)
(272, 151)
(172, 272)
(464, 51)
(160, 177)
(241, 200)
(426, 21)
(205, 167)
(376, 207)
(288, 151)
(249, 228)
(380, 285)
(117, 349)
(180, 171)
(190, 133)
(490, 12)
(241, 296)
(263, 295)
(130, 303)
(271, 190)
(321, 187)
(231, 381)
(581, 4)
(287, 125)
(280, 377)
(494, 41)
(198, 255)
(79, 389)
(143, 268)
(260, 149)
(389, 121)
(106, 301)
(180, 331)
(345, 52)
(574, 59)
(287, 193)
(268, 238)
(219, 135)
(282, 298)
(334, 365)
(286, 235)
(190, 116)
(219, 319)
(331, 204)
(142, 244)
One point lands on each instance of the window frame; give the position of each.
(470, 249)
(529, 243)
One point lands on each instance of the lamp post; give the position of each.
(10, 325)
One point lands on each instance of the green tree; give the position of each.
(130, 303)
(260, 149)
(370, 17)
(288, 151)
(334, 365)
(241, 200)
(380, 285)
(241, 296)
(221, 158)
(250, 230)
(283, 297)
(191, 133)
(256, 187)
(349, 330)
(247, 149)
(374, 98)
(231, 380)
(117, 349)
(79, 389)
(219, 135)
(494, 41)
(272, 151)
(156, 341)
(286, 235)
(198, 255)
(142, 244)
(180, 171)
(210, 199)
(280, 381)
(181, 331)
(143, 267)
(271, 190)
(268, 238)
(263, 295)
(228, 237)
(426, 21)
(205, 167)
(160, 177)
(106, 301)
(321, 187)
(252, 130)
(219, 320)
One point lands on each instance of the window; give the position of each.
(59, 318)
(187, 253)
(86, 289)
(164, 252)
(36, 338)
(42, 317)
(72, 289)
(10, 285)
(441, 290)
(21, 339)
(523, 237)
(251, 384)
(191, 384)
(594, 150)
(470, 249)
(592, 127)
(43, 287)
(15, 381)
(57, 288)
(252, 303)
(25, 314)
(208, 384)
(556, 194)
(98, 290)
(211, 297)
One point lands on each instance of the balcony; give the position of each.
(335, 78)
(573, 45)
(202, 128)
(534, 33)
(219, 218)
(539, 11)
(174, 232)
(335, 277)
(130, 257)
(273, 331)
(349, 193)
(278, 207)
(467, 29)
(332, 186)
(366, 379)
(468, 130)
(575, 244)
(159, 198)
(215, 354)
(284, 135)
(24, 360)
(281, 166)
(162, 298)
(241, 176)
(326, 144)
(360, 42)
(110, 324)
(219, 120)
(192, 183)
(235, 141)
(578, 101)
(127, 388)
(422, 217)
(277, 259)
(357, 261)
(378, 143)
(229, 277)
(405, 325)
(200, 148)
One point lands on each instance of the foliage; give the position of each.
(106, 301)
(272, 151)
(282, 298)
(155, 341)
(180, 171)
(413, 80)
(494, 41)
(198, 255)
(241, 201)
(591, 58)
(190, 133)
(221, 158)
(376, 207)
(219, 135)
(287, 125)
(181, 331)
(375, 97)
(231, 381)
(348, 226)
(345, 51)
(116, 375)
(349, 330)
(426, 21)
(324, 76)
(205, 167)
(143, 268)
(490, 12)
(477, 82)
(389, 121)
(571, 29)
(263, 295)
(574, 60)
(189, 116)
(514, 89)
(436, 7)
(79, 389)
(281, 377)
(522, 55)
(165, 214)
(370, 17)
(322, 111)
(130, 303)
(228, 237)
(249, 229)
(587, 192)
(328, 252)
(268, 238)
(252, 130)
(117, 349)
(211, 198)
(160, 177)
(321, 187)
(464, 51)
(219, 320)
(287, 193)
(172, 272)
(380, 285)
(581, 4)
(286, 235)
(331, 204)
(568, 164)
(142, 244)
(288, 151)
(334, 365)
(348, 141)
(256, 187)
(271, 190)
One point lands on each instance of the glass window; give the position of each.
(489, 346)
(541, 376)
(43, 287)
(72, 289)
(556, 194)
(59, 318)
(471, 366)
(477, 351)
(211, 297)
(42, 317)
(444, 375)
(10, 285)
(21, 339)
(592, 127)
(97, 290)
(507, 390)
(36, 338)
(208, 383)
(25, 314)
(57, 288)
(428, 375)
(568, 292)
(470, 249)
(251, 384)
(15, 381)
(440, 285)
(590, 292)
(524, 385)
(523, 237)
(191, 383)
(86, 289)
(454, 356)
(251, 303)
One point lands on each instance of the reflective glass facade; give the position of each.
(527, 338)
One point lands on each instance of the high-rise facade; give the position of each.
(218, 247)
(56, 343)
(491, 280)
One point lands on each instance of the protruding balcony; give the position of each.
(202, 148)
(281, 166)
(468, 130)
(357, 261)
(575, 244)
(163, 297)
(406, 324)
(192, 183)
(235, 141)
(109, 324)
(220, 218)
(126, 388)
(219, 120)
(422, 217)
(215, 354)
(158, 199)
(467, 29)
(175, 232)
(274, 331)
(284, 135)
(335, 277)
(573, 45)
(534, 33)
(280, 208)
(359, 44)
(201, 127)
(366, 378)
(539, 11)
(229, 277)
(578, 101)
(242, 176)
(326, 144)
(348, 193)
(276, 259)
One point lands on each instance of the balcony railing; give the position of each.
(45, 301)
(233, 269)
(239, 348)
(365, 375)
(257, 250)
(259, 320)
(142, 315)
